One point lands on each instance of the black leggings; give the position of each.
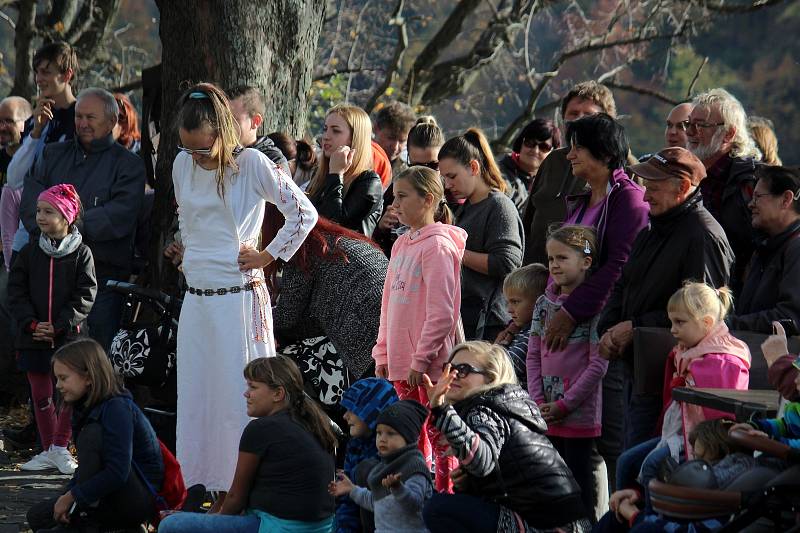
(130, 506)
(577, 453)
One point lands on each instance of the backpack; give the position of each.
(173, 489)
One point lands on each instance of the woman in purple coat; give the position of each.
(614, 205)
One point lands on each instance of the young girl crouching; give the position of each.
(285, 461)
(111, 434)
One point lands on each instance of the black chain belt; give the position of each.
(230, 290)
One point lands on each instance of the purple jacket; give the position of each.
(624, 215)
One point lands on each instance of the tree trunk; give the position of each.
(270, 45)
(23, 37)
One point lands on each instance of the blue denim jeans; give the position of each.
(629, 463)
(641, 413)
(209, 523)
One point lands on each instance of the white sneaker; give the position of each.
(63, 460)
(39, 462)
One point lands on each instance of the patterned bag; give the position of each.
(324, 372)
(144, 356)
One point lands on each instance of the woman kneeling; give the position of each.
(511, 479)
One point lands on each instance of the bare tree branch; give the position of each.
(87, 44)
(63, 11)
(696, 77)
(357, 70)
(396, 64)
(733, 9)
(658, 95)
(8, 19)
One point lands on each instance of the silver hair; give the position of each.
(734, 116)
(109, 102)
(22, 108)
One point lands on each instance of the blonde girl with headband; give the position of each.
(221, 190)
(567, 383)
(421, 300)
(493, 226)
(51, 289)
(707, 355)
(346, 189)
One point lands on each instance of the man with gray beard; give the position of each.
(718, 136)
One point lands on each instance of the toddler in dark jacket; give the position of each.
(51, 289)
(364, 401)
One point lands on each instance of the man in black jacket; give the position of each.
(682, 242)
(719, 137)
(248, 110)
(110, 181)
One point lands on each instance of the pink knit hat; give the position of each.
(65, 198)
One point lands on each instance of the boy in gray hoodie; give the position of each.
(400, 483)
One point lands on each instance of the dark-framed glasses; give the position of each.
(543, 146)
(463, 370)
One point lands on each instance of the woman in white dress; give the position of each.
(226, 319)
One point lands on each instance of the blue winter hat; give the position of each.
(367, 397)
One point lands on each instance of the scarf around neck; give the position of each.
(718, 340)
(406, 461)
(57, 249)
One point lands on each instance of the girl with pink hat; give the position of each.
(51, 289)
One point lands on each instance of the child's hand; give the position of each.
(459, 477)
(505, 337)
(44, 332)
(775, 346)
(342, 486)
(436, 393)
(626, 510)
(620, 497)
(750, 430)
(382, 371)
(552, 412)
(414, 378)
(392, 481)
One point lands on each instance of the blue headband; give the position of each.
(197, 95)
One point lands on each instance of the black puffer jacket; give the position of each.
(513, 463)
(358, 208)
(685, 243)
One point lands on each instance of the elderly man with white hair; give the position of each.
(110, 181)
(719, 137)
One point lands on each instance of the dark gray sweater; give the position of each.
(339, 299)
(493, 227)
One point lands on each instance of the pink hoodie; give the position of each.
(719, 360)
(421, 301)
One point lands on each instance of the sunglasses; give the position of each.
(433, 165)
(532, 143)
(200, 151)
(464, 369)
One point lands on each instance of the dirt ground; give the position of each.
(19, 490)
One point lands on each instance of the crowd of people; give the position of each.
(467, 317)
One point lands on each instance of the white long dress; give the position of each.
(218, 335)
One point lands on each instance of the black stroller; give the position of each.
(758, 495)
(143, 353)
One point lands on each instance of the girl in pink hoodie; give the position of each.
(421, 299)
(567, 384)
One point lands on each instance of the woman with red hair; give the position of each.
(328, 303)
(126, 131)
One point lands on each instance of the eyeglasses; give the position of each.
(12, 122)
(199, 151)
(683, 125)
(433, 165)
(464, 369)
(533, 143)
(693, 126)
